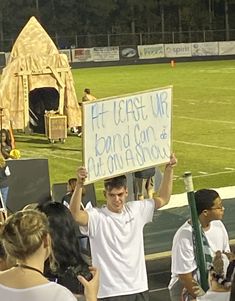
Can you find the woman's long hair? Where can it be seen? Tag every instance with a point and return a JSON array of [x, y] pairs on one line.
[[65, 236]]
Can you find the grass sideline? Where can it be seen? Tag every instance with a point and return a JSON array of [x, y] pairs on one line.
[[203, 119]]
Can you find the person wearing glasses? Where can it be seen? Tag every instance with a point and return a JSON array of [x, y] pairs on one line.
[[184, 268]]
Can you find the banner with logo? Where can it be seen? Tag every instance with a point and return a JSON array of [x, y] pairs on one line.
[[226, 48], [128, 52], [206, 48], [178, 50], [102, 54], [82, 55], [151, 51]]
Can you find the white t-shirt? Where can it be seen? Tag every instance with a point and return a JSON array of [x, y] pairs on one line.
[[48, 292], [215, 296], [183, 258], [117, 247]]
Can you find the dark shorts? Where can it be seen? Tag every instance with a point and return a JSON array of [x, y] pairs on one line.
[[144, 296]]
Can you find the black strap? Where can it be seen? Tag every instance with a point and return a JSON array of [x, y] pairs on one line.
[[24, 266]]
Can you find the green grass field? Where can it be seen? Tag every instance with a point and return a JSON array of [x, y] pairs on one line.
[[203, 119]]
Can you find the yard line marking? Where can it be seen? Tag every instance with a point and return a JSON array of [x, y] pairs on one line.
[[214, 174], [203, 172], [205, 145], [207, 120], [180, 200], [229, 168], [158, 289], [51, 155]]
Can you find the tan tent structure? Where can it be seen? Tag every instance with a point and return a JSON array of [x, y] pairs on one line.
[[37, 78]]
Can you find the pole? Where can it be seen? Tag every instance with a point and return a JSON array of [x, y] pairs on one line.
[[200, 256]]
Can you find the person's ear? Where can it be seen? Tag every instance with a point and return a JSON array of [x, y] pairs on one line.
[[47, 241], [126, 191], [105, 193], [47, 245], [205, 212]]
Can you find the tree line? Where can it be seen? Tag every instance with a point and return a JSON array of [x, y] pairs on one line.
[[82, 17]]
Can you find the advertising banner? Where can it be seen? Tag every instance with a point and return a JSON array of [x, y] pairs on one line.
[[128, 53], [102, 54], [82, 55], [206, 48], [226, 48], [151, 51], [178, 50]]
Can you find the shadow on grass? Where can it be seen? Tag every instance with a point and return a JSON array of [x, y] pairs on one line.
[[58, 146], [35, 140]]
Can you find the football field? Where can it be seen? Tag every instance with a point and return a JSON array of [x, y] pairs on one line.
[[203, 118]]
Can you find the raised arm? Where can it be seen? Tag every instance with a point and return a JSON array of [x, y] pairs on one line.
[[165, 190], [80, 216]]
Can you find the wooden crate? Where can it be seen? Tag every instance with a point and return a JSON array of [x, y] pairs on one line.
[[55, 127]]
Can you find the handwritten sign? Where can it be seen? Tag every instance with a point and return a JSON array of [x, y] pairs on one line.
[[127, 133]]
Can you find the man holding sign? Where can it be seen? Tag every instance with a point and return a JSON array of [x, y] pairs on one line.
[[116, 235]]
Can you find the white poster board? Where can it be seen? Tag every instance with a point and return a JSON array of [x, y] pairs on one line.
[[127, 133]]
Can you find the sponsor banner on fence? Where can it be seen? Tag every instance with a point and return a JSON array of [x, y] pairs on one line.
[[226, 48], [178, 50], [206, 48], [128, 52], [151, 51], [82, 55], [67, 52], [102, 54]]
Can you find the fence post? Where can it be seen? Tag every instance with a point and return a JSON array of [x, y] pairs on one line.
[[141, 38], [204, 36]]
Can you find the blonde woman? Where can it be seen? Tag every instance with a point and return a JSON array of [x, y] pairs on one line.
[[25, 237]]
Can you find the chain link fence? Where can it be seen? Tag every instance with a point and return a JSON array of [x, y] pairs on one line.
[[130, 39]]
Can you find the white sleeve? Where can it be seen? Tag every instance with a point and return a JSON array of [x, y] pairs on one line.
[[93, 222], [183, 258]]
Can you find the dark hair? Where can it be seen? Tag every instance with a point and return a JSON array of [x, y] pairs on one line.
[[65, 245], [204, 199], [3, 254], [72, 182], [63, 233], [8, 139], [116, 182], [88, 91]]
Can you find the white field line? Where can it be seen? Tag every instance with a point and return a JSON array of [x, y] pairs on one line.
[[206, 120], [47, 154], [180, 200], [205, 145], [211, 174], [158, 289]]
